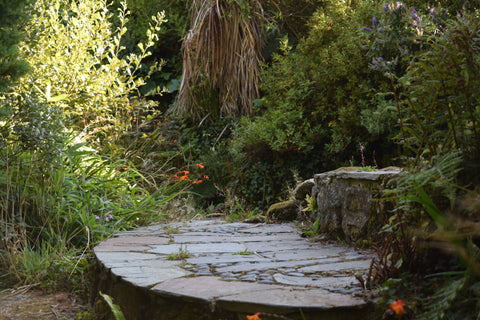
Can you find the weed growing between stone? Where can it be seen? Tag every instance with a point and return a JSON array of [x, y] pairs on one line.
[[244, 253], [181, 254]]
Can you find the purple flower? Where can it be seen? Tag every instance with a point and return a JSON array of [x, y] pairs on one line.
[[399, 4], [374, 22], [97, 217], [367, 29], [376, 61], [107, 218], [385, 7], [431, 11], [415, 15]]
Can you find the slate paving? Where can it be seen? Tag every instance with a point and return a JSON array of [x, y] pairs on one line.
[[234, 269]]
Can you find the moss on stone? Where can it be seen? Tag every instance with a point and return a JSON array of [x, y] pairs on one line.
[[283, 211]]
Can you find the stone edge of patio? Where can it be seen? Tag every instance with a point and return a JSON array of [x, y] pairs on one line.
[[147, 285]]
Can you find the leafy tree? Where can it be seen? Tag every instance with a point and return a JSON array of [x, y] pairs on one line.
[[11, 67], [77, 54]]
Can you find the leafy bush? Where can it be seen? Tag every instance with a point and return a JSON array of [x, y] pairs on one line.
[[59, 196], [75, 55], [308, 119], [431, 60], [441, 110], [168, 46]]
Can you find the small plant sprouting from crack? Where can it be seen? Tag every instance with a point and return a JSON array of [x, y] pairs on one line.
[[244, 253], [171, 230], [181, 254]]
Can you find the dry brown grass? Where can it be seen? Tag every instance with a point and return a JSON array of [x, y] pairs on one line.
[[222, 56]]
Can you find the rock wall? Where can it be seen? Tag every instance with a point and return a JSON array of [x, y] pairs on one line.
[[346, 205]]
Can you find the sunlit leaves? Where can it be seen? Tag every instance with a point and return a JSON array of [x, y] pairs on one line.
[[77, 53]]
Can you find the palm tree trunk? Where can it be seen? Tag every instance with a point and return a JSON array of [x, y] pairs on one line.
[[222, 55]]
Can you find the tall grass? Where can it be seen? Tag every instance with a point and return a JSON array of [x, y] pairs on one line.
[[82, 198]]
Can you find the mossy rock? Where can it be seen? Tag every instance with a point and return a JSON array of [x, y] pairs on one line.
[[347, 169], [303, 189], [283, 211]]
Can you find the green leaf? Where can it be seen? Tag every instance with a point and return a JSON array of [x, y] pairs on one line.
[[117, 312], [425, 200], [59, 97]]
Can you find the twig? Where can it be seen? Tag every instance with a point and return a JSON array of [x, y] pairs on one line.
[[52, 308]]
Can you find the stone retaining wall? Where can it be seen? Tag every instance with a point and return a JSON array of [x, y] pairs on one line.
[[346, 202]]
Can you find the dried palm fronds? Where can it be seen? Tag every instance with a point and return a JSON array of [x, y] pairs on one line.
[[222, 56]]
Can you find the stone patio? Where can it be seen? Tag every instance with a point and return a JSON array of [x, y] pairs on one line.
[[232, 269]]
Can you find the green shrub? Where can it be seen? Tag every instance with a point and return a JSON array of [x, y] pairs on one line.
[[431, 60], [441, 89], [74, 51], [308, 119], [168, 46], [62, 191]]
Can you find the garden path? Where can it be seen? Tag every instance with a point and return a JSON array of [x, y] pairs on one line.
[[229, 270]]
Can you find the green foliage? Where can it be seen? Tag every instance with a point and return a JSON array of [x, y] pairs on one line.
[[236, 212], [75, 55], [431, 64], [168, 45], [11, 67], [313, 230], [29, 124], [290, 17], [441, 111], [56, 193], [117, 312], [442, 301], [311, 204], [60, 195], [49, 267], [314, 96], [80, 200], [181, 254], [244, 253]]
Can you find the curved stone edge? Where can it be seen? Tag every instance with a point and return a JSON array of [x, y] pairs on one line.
[[176, 297], [150, 288], [187, 303]]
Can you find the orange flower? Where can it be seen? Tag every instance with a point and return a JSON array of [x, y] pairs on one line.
[[184, 178], [397, 306], [197, 181], [200, 165], [205, 177], [254, 316]]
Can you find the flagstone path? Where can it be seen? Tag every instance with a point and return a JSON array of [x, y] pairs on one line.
[[231, 270]]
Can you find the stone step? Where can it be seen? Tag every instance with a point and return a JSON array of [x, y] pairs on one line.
[[230, 270]]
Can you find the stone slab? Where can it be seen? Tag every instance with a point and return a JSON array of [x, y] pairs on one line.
[[237, 267], [200, 248]]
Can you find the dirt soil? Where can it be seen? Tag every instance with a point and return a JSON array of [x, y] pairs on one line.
[[32, 304]]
